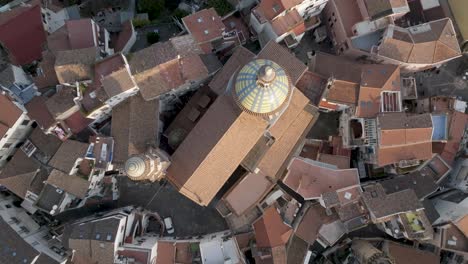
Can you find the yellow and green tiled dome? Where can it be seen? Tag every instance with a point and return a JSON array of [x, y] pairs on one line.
[[262, 87]]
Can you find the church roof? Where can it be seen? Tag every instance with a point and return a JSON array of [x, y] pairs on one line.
[[261, 87]]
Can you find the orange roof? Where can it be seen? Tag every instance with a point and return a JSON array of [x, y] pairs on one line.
[[350, 14], [247, 192], [311, 223], [429, 43], [404, 137], [375, 79], [342, 162], [166, 252], [210, 153], [239, 58], [458, 125], [204, 25], [269, 9], [9, 114], [279, 54], [288, 22], [270, 231], [380, 8], [327, 105], [401, 129], [403, 254], [462, 224], [288, 131], [343, 92], [391, 155], [311, 179]]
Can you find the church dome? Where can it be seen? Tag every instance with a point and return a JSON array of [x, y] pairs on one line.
[[135, 167], [262, 87]]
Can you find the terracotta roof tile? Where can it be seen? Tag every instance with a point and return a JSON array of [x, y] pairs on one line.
[[9, 113], [403, 254], [204, 25], [18, 173], [271, 8], [275, 160], [311, 179], [429, 43], [67, 154], [75, 65], [279, 54], [58, 40], [288, 131], [164, 66], [350, 14], [247, 192], [14, 242], [324, 64], [124, 36], [462, 224], [396, 49], [210, 152], [311, 223], [24, 41], [162, 52], [62, 102], [166, 252], [70, 183], [47, 144], [342, 92], [37, 111], [383, 205], [108, 65], [48, 78], [77, 122], [391, 155], [312, 86], [401, 129], [451, 233], [134, 127], [458, 125], [288, 22], [118, 82], [381, 8], [342, 162], [423, 185], [270, 231], [81, 34], [239, 58]]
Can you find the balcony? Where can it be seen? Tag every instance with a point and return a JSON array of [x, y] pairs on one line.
[[312, 22], [408, 88]]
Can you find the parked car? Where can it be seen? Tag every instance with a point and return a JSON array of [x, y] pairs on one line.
[[169, 226]]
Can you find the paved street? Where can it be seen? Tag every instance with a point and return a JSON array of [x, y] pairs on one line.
[[189, 219], [445, 81]]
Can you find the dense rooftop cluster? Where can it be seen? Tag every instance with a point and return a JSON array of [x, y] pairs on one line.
[[303, 125]]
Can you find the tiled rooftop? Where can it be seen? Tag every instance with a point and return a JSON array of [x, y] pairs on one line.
[[311, 179]]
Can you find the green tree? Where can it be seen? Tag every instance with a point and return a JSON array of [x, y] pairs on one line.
[[222, 7], [179, 13], [138, 23], [152, 7], [152, 37]]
